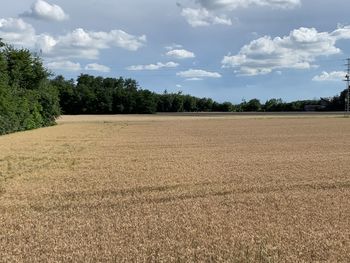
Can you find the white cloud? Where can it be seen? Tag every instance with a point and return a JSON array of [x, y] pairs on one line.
[[156, 66], [180, 54], [45, 43], [205, 14], [17, 32], [43, 10], [173, 46], [87, 44], [67, 65], [64, 65], [79, 43], [124, 40], [194, 79], [298, 50], [330, 76], [202, 17], [97, 67], [234, 4], [197, 74], [179, 86]]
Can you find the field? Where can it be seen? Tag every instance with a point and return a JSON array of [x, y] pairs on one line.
[[177, 189]]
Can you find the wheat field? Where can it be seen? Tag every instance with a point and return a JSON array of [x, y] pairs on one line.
[[177, 189]]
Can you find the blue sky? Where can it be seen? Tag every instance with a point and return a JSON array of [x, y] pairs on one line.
[[228, 50]]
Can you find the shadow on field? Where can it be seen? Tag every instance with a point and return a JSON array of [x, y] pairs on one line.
[[136, 196]]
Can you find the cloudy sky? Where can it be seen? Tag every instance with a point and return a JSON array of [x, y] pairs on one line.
[[228, 50]]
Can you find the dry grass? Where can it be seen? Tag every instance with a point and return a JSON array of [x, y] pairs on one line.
[[177, 189]]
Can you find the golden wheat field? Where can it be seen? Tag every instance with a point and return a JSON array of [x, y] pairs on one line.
[[177, 189]]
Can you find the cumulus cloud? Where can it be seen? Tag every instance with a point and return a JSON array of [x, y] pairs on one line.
[[197, 74], [67, 65], [64, 65], [97, 67], [298, 50], [330, 76], [124, 40], [78, 43], [205, 14], [87, 44], [234, 4], [43, 10], [17, 32], [156, 66], [180, 54], [202, 17]]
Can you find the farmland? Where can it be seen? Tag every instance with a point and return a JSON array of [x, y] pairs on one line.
[[177, 188]]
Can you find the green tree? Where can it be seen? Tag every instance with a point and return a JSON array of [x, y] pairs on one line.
[[27, 100], [252, 105], [67, 94], [146, 102], [189, 103], [205, 104], [273, 105], [178, 102]]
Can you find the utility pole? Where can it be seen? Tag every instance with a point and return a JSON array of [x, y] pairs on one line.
[[347, 79]]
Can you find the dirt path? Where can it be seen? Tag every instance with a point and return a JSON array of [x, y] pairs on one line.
[[134, 188]]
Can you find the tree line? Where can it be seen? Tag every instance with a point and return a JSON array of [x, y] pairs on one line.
[[30, 98], [98, 95], [27, 98]]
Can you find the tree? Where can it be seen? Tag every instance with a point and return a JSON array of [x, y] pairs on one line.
[[189, 103], [273, 105], [146, 102], [49, 106], [165, 102], [27, 100], [178, 102], [67, 94], [205, 104], [252, 105], [222, 107]]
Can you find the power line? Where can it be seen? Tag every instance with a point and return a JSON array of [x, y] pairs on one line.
[[347, 79]]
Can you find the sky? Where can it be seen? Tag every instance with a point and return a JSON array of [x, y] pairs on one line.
[[228, 50]]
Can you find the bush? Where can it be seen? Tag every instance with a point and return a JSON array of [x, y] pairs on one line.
[[27, 99]]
